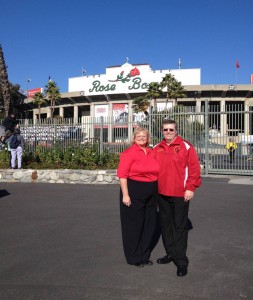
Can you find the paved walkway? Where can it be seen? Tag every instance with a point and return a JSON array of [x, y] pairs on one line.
[[62, 241]]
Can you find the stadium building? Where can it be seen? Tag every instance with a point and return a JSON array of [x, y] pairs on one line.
[[111, 95]]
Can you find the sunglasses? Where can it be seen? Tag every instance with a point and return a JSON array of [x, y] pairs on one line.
[[169, 129]]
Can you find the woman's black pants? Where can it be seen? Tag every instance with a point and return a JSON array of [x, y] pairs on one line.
[[173, 213], [138, 221]]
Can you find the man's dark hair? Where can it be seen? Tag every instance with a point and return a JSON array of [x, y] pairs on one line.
[[169, 121]]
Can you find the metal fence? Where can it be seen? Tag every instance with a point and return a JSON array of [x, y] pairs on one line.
[[207, 127]]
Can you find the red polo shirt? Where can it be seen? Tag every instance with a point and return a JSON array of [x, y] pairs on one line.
[[137, 165]]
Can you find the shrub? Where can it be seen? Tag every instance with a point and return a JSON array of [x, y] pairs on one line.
[[74, 156], [4, 159]]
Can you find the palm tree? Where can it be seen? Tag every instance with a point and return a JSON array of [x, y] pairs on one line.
[[174, 88], [39, 99], [52, 93], [177, 91], [5, 86], [141, 104], [154, 91]]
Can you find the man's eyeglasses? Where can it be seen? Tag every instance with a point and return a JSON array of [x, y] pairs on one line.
[[169, 129]]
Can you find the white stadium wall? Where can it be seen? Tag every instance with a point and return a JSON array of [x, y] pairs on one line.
[[129, 79]]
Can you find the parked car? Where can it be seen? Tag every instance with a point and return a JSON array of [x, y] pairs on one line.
[[73, 133]]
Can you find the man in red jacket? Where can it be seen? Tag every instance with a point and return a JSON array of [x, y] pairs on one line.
[[178, 178]]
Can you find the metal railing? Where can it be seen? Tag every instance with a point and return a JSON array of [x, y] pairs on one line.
[[208, 128]]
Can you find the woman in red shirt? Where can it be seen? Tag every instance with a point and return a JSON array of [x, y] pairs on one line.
[[138, 173]]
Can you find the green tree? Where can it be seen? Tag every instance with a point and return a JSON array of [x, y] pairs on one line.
[[52, 93], [39, 99], [17, 100], [154, 92], [141, 104], [174, 88], [4, 83]]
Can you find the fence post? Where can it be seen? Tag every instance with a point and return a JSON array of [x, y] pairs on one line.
[[206, 137], [150, 120], [55, 131], [101, 135]]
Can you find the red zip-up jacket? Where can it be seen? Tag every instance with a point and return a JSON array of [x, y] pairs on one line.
[[179, 167]]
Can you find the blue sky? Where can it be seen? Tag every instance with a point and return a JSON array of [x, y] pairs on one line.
[[42, 38]]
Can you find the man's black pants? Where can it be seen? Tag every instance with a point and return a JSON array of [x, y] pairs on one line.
[[173, 213]]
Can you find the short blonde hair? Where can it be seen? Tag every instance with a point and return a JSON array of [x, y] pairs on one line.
[[138, 130]]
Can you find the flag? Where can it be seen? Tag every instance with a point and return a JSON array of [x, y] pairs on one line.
[[49, 78], [237, 64]]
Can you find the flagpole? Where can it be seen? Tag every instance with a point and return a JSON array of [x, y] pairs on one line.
[[83, 71], [179, 63], [236, 77], [237, 66]]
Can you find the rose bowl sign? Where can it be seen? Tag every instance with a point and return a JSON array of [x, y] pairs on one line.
[[129, 79]]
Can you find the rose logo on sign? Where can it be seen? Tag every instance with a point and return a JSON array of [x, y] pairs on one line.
[[134, 72]]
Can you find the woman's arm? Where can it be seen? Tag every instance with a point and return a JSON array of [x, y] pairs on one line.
[[123, 184]]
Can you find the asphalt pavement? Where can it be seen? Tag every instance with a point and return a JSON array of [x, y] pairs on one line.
[[62, 241]]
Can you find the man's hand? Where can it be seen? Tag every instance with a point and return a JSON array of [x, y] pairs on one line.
[[188, 195]]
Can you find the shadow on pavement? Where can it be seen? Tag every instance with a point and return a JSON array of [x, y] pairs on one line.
[[4, 193]]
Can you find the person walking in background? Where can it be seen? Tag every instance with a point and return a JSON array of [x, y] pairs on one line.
[[178, 178], [138, 173], [231, 146], [10, 123], [6, 141], [16, 146]]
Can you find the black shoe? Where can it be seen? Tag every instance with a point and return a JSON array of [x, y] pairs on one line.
[[165, 260], [147, 262], [138, 265], [190, 227], [182, 271]]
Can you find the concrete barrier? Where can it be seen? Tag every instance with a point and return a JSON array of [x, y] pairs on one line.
[[59, 176]]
